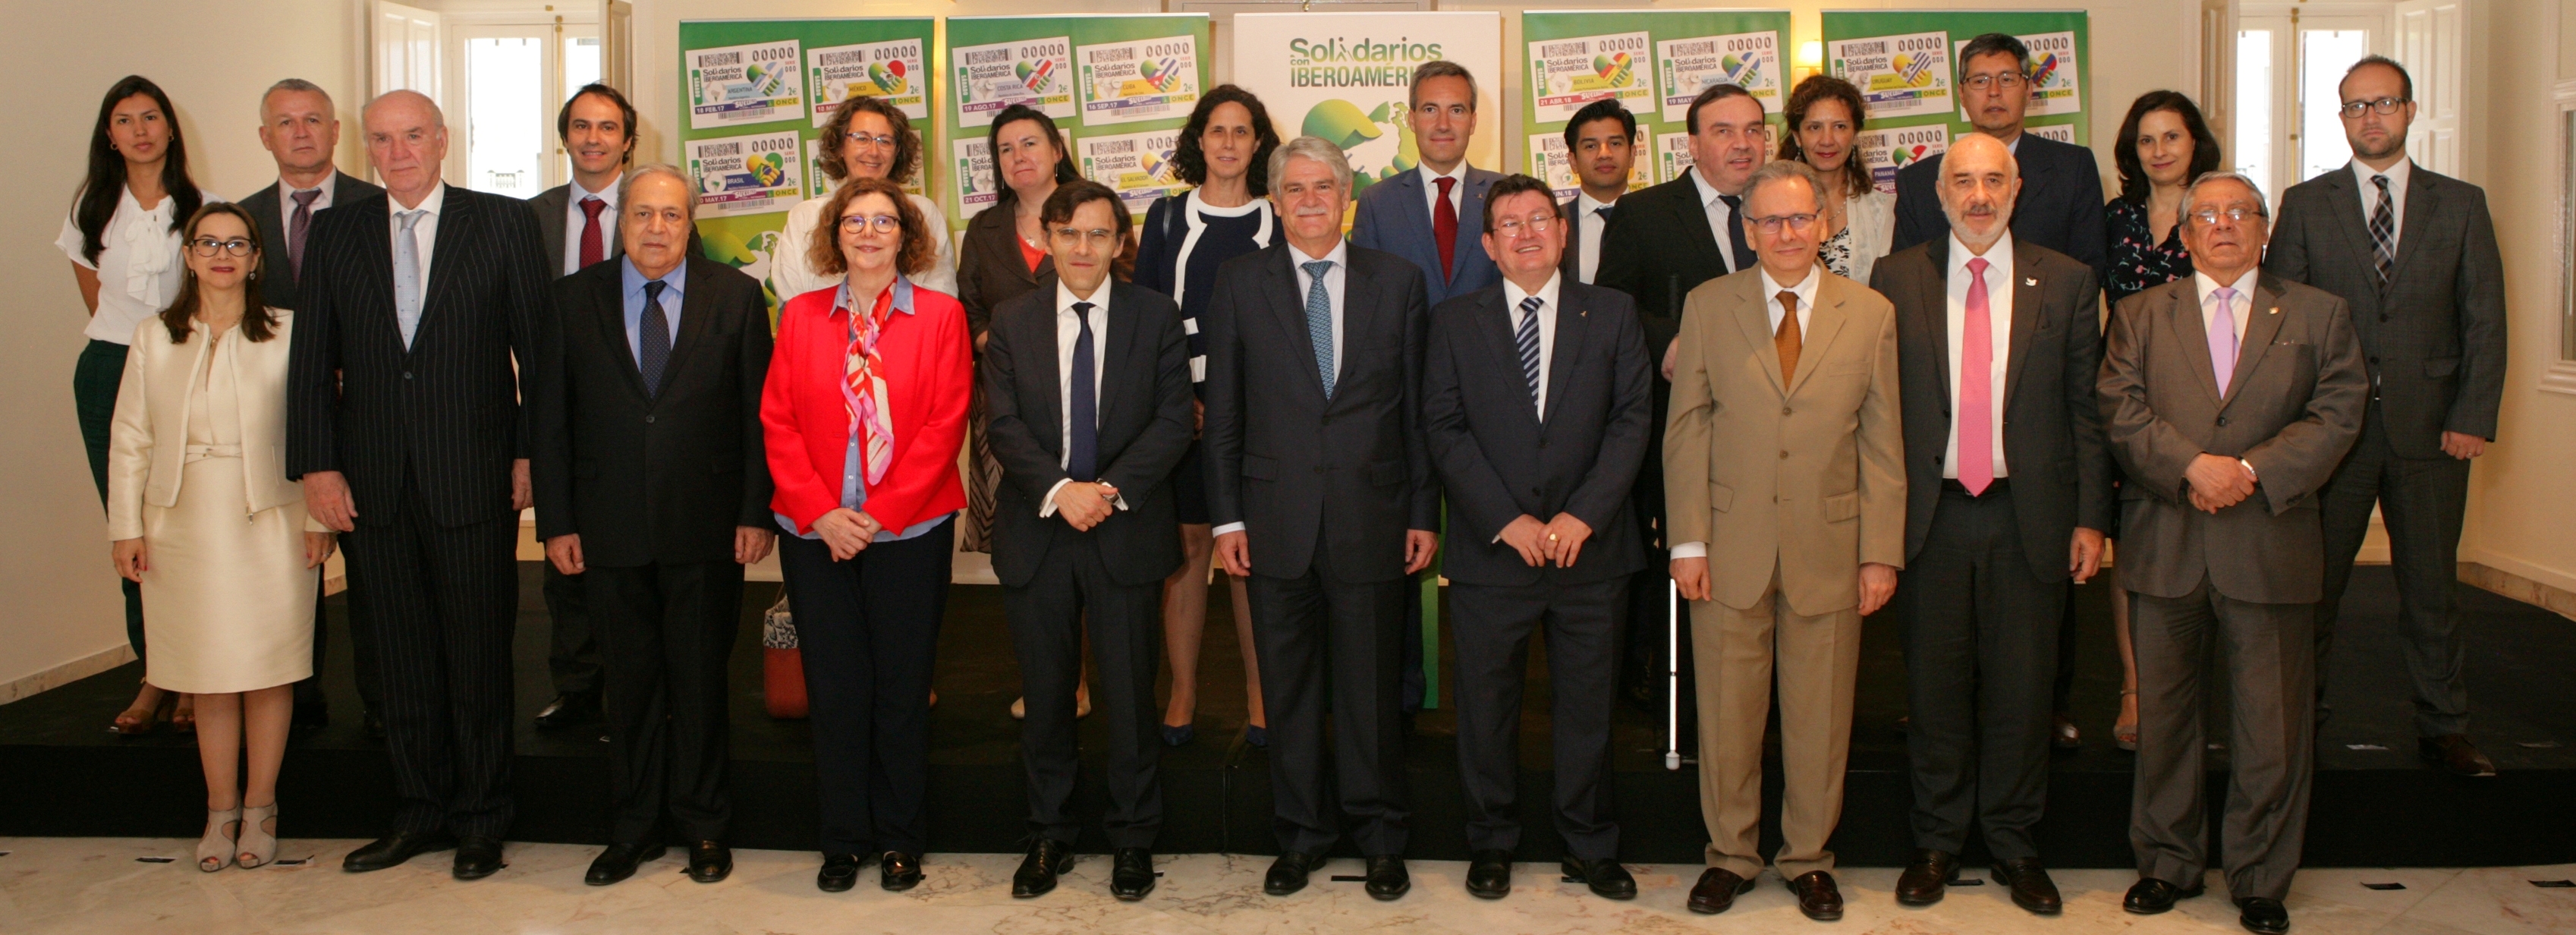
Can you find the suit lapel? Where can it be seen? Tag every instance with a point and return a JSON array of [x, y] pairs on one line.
[[1497, 322], [1050, 376], [2025, 321], [1824, 323], [1137, 356], [1290, 305], [549, 207], [2183, 316], [1932, 314], [2349, 216], [2262, 322], [457, 229], [609, 315], [1573, 326], [1753, 314], [1571, 266], [2419, 212], [694, 311]]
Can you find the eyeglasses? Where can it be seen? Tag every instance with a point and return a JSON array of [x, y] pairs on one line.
[[866, 139], [2385, 106], [882, 223], [1535, 224], [2007, 81], [2208, 216], [1795, 222], [1098, 236], [208, 246]]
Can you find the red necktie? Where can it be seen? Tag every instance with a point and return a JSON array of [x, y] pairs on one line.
[[1976, 387], [1444, 227], [591, 249]]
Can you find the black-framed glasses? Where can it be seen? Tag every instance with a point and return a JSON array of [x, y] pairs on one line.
[[2351, 110], [1098, 236], [1796, 222], [871, 139], [2209, 216], [208, 246], [1535, 224], [2007, 81], [881, 223]]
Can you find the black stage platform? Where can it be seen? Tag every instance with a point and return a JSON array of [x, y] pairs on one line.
[[2375, 805]]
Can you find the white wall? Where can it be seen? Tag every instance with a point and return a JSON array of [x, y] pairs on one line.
[[58, 598]]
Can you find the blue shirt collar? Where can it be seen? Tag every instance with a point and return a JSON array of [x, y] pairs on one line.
[[676, 281], [902, 294]]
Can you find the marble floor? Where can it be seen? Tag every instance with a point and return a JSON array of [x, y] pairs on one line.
[[107, 885]]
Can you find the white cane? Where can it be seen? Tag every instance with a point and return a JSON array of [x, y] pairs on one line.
[[1673, 677]]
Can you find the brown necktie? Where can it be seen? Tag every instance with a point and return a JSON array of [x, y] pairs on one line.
[[1785, 340]]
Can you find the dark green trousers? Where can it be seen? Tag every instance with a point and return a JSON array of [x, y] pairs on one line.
[[94, 382]]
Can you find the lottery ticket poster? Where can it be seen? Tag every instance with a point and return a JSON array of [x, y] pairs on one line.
[[1128, 77], [1889, 55], [753, 151], [1654, 62], [1885, 151]]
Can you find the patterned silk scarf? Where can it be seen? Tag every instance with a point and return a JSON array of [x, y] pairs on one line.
[[863, 388]]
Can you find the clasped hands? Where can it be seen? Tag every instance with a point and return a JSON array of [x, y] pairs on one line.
[[2216, 482], [1559, 540], [1086, 504]]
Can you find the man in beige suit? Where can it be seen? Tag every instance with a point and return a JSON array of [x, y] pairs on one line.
[[1784, 471], [2229, 397]]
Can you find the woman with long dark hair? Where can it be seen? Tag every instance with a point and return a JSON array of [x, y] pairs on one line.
[[202, 517], [1825, 115], [122, 237], [1224, 154]]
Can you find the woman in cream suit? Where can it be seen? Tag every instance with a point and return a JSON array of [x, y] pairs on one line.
[[202, 515]]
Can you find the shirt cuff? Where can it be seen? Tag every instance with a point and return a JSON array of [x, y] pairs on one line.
[[1047, 507], [1227, 528], [1690, 550]]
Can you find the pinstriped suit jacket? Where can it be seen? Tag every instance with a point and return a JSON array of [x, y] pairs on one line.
[[444, 411]]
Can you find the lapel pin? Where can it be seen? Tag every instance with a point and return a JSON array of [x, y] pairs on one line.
[[2032, 281]]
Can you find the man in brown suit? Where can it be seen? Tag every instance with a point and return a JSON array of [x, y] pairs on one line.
[[2229, 397], [1784, 472]]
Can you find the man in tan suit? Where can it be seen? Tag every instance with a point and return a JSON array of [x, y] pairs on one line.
[[2229, 397], [1784, 470]]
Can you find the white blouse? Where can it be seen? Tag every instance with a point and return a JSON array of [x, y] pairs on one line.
[[139, 269], [792, 275], [1871, 218]]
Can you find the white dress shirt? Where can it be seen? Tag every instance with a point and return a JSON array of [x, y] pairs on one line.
[[2397, 175], [424, 232], [1068, 329], [1719, 216], [1805, 290], [1457, 192], [1546, 312], [1999, 305], [2241, 304], [1334, 280], [286, 201], [574, 218], [138, 265], [1588, 219]]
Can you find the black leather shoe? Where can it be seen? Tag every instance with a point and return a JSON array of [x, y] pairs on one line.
[[2456, 755], [391, 850], [1131, 873], [839, 873], [2262, 916], [898, 871], [1047, 858], [570, 709], [1606, 876], [1818, 897], [1288, 873], [2030, 885], [478, 857], [710, 861], [1926, 878], [1489, 874], [1716, 891], [2150, 896], [1387, 879], [619, 860]]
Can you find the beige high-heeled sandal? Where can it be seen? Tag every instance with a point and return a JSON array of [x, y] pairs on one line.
[[215, 850], [258, 844]]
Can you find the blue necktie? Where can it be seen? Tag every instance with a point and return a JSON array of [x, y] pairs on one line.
[[407, 276], [653, 346], [1082, 449], [1527, 336], [1319, 322]]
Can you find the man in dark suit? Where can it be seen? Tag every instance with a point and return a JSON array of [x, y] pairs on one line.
[[2060, 206], [2414, 254], [2008, 492], [653, 491], [1321, 490], [299, 127], [1601, 146], [404, 424], [1663, 243], [597, 129], [2229, 397], [1088, 384], [1534, 396]]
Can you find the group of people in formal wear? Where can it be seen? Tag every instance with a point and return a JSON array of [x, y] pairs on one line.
[[1804, 400]]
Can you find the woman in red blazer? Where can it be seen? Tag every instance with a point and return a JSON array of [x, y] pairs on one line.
[[863, 412]]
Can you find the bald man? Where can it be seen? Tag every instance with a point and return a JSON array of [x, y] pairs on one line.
[[403, 422]]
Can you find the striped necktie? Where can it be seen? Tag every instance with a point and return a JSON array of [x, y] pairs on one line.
[[1527, 336]]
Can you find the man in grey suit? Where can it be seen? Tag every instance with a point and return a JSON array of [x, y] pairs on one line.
[[2008, 492], [1320, 486], [2414, 253], [1601, 146], [1535, 394], [2229, 397], [299, 127]]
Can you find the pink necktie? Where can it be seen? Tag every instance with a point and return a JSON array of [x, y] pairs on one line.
[[2222, 339], [1976, 387]]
